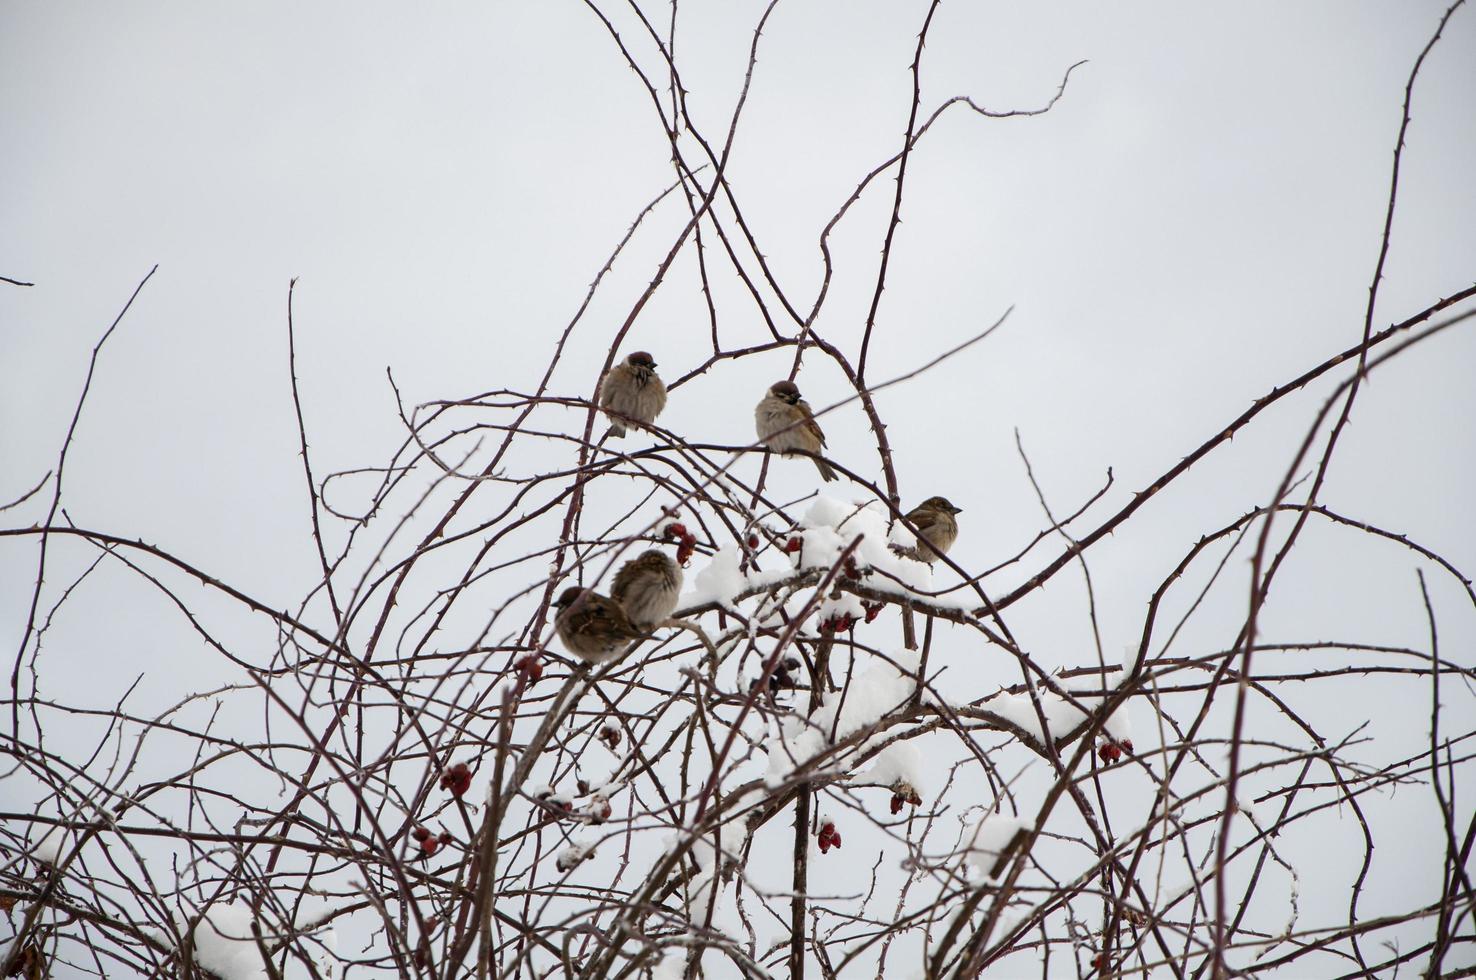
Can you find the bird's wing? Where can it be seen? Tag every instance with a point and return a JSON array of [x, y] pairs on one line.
[[624, 579], [924, 519], [608, 619], [811, 426]]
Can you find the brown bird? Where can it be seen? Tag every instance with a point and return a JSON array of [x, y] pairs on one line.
[[936, 528], [631, 391], [593, 627], [647, 588], [786, 425]]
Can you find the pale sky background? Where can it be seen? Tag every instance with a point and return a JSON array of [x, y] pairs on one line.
[[1196, 221]]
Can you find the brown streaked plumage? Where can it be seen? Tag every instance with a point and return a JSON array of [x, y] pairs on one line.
[[631, 391], [647, 588], [786, 424], [592, 627], [936, 527]]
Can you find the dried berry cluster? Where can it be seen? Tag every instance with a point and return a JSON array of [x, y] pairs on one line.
[[686, 541], [430, 843], [1111, 750], [457, 779], [903, 794], [829, 837]]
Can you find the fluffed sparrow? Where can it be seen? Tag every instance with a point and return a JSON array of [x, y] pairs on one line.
[[936, 528], [593, 627], [786, 424], [631, 391], [647, 588]]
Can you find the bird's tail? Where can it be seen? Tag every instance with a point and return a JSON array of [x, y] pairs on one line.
[[826, 473]]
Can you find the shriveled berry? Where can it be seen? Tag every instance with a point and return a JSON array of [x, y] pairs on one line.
[[457, 779]]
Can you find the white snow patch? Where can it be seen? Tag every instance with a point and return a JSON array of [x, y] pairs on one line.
[[880, 689], [845, 605], [1061, 715], [573, 855], [828, 527], [992, 835], [49, 848], [718, 581], [899, 762], [224, 944], [831, 525], [1129, 659]]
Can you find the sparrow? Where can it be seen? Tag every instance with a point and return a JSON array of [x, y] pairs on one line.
[[593, 627], [786, 425], [647, 588], [936, 527], [632, 391]]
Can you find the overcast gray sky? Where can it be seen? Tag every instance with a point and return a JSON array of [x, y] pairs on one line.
[[1196, 221]]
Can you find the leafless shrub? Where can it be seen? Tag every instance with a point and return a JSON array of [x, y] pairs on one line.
[[411, 777]]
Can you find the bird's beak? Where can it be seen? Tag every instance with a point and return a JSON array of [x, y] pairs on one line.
[[958, 510]]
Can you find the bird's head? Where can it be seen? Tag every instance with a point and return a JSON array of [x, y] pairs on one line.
[[569, 596], [786, 391]]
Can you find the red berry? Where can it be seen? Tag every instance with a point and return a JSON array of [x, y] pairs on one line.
[[530, 667], [445, 837], [675, 530], [430, 846], [1109, 752], [420, 833], [753, 542], [897, 802], [457, 779], [793, 545], [835, 839]]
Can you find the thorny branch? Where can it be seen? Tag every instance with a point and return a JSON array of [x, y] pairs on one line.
[[437, 789]]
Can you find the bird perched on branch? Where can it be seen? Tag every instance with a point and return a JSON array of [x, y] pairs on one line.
[[936, 528], [647, 588], [631, 391], [786, 425], [593, 627]]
